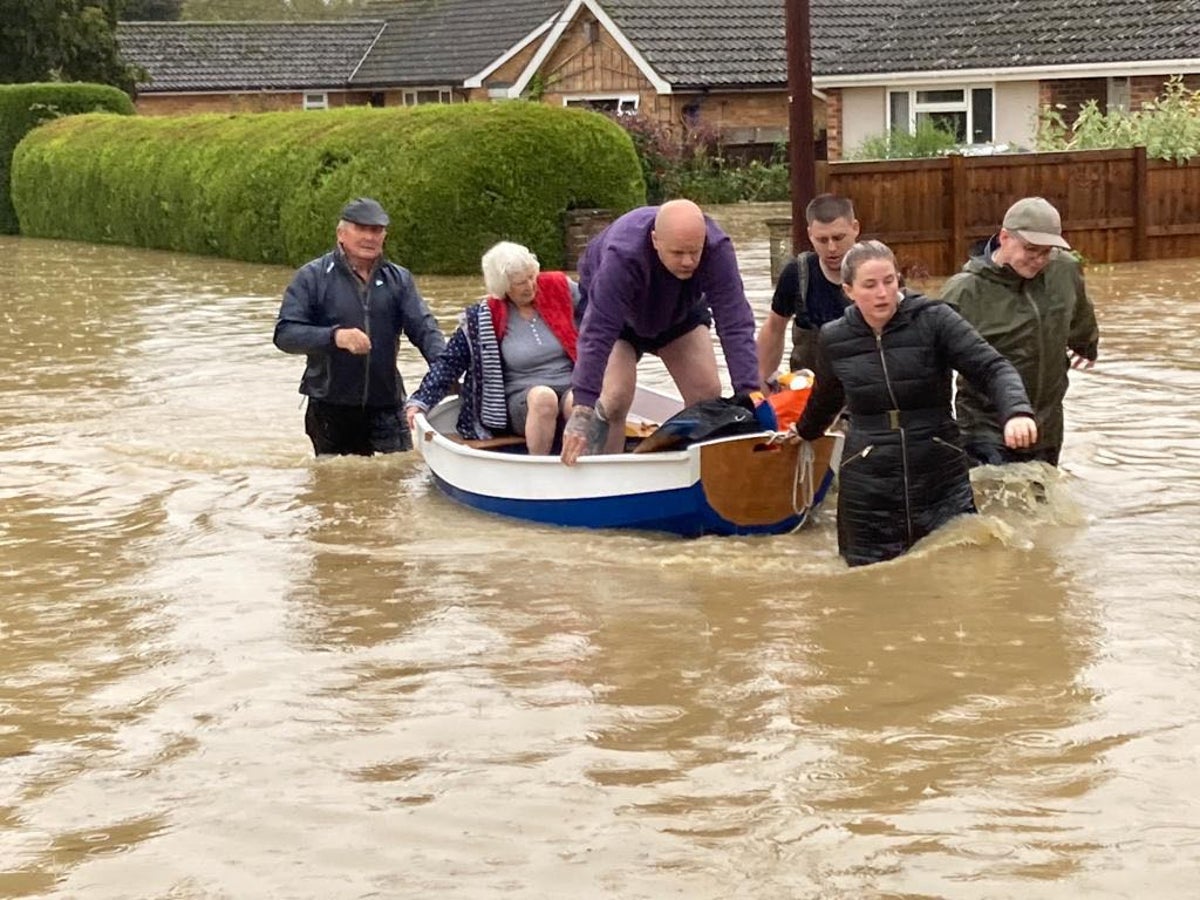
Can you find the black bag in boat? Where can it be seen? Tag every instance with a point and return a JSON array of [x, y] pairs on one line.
[[720, 417]]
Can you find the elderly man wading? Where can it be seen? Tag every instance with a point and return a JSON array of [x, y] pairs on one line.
[[345, 311]]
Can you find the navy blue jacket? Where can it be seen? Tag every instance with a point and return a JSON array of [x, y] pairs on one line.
[[325, 295]]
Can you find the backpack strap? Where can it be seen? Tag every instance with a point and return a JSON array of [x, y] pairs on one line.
[[804, 336], [802, 277]]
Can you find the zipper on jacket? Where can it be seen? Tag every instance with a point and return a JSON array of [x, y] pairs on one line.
[[957, 449], [861, 454], [887, 380], [365, 299], [1041, 356]]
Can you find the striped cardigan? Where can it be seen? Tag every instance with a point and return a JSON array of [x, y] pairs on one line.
[[473, 354]]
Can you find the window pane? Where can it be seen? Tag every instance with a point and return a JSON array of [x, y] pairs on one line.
[[981, 116], [939, 97], [898, 106], [953, 122], [433, 96]]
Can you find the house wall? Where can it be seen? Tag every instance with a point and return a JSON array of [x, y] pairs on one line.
[[1067, 94], [1072, 93], [1144, 88], [1015, 105], [589, 60], [864, 113], [254, 101], [504, 75]]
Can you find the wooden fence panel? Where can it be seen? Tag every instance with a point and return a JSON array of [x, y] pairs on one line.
[[1173, 210], [1116, 205]]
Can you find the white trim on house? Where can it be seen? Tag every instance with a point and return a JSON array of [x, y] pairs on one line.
[[476, 81], [1028, 73], [362, 59], [915, 107], [413, 94], [565, 18], [621, 98]]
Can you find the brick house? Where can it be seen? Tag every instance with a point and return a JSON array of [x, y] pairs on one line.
[[982, 67], [408, 52], [985, 68], [681, 62], [196, 67]]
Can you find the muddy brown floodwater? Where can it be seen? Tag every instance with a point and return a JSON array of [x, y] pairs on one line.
[[230, 671]]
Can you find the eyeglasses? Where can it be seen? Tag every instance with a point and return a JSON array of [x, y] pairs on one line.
[[1036, 251]]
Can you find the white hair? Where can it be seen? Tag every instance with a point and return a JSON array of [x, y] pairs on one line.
[[502, 262]]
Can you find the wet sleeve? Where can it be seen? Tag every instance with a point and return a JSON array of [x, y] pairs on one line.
[[300, 326], [1084, 335], [827, 397], [981, 364], [443, 372], [419, 325], [734, 318], [611, 287]]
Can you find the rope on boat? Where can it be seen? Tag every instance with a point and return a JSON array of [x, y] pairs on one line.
[[803, 488], [803, 480]]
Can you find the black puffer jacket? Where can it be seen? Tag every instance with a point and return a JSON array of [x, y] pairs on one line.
[[902, 473]]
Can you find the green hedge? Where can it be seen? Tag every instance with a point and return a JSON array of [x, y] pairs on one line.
[[268, 187], [25, 106]]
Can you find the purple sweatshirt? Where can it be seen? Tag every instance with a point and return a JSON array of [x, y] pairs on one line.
[[625, 284]]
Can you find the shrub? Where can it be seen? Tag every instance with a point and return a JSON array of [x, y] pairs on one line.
[[1168, 126], [268, 187], [25, 106], [694, 166], [930, 139]]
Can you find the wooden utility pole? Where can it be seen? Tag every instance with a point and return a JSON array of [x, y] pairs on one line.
[[801, 140]]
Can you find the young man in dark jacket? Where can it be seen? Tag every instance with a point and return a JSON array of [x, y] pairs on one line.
[[345, 311], [1025, 295]]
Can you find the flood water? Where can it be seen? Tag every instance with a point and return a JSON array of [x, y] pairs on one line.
[[230, 671]]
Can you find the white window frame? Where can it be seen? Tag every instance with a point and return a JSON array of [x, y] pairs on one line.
[[408, 96], [315, 100], [627, 104], [965, 105], [1117, 93]]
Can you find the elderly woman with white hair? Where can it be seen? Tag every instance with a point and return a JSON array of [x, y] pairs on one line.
[[514, 350]]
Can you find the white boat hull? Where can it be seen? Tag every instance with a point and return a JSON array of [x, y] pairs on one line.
[[747, 484]]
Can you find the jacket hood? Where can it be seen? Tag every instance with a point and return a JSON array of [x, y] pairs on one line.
[[983, 266]]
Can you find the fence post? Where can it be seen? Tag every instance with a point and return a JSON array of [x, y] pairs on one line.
[[579, 227], [958, 212], [1140, 195], [779, 240]]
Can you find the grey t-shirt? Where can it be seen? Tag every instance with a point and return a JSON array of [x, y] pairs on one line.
[[532, 355]]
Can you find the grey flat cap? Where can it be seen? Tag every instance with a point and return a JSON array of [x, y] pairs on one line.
[[365, 211]]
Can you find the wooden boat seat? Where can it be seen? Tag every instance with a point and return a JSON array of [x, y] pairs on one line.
[[504, 440]]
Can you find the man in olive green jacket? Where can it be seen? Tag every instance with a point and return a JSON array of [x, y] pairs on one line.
[[1025, 295]]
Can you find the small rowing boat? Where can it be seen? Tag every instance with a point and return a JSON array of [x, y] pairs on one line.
[[743, 484]]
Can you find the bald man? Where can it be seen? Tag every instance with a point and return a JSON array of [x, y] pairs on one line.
[[654, 281]]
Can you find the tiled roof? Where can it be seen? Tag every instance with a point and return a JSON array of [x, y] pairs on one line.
[[985, 34], [706, 42], [743, 42], [435, 42], [228, 56]]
